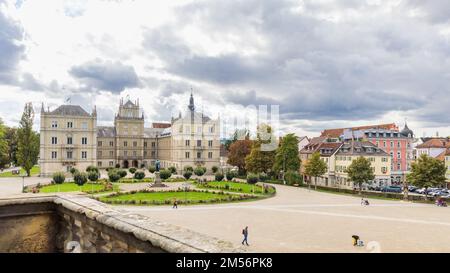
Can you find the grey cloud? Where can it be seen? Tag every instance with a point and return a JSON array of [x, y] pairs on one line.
[[106, 75], [11, 52]]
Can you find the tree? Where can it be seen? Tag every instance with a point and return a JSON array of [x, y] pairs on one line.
[[93, 176], [315, 167], [113, 175], [152, 169], [427, 172], [28, 140], [262, 154], [165, 174], [199, 171], [293, 177], [139, 175], [360, 171], [286, 158], [80, 178], [187, 174], [239, 134], [59, 178], [238, 151], [214, 169], [11, 140], [4, 158]]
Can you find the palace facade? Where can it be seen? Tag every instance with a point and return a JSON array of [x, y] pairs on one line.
[[70, 138]]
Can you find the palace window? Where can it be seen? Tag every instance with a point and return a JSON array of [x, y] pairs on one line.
[[84, 141], [69, 155], [199, 143], [125, 143], [134, 143], [69, 141], [83, 154], [199, 154], [153, 144], [99, 153], [210, 143], [100, 144], [145, 153], [188, 142], [210, 154], [54, 124], [187, 154], [111, 153], [111, 143], [111, 163], [54, 155], [145, 144], [54, 140], [99, 163], [70, 124], [153, 154]]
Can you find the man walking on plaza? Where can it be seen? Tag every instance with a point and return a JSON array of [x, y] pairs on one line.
[[245, 233]]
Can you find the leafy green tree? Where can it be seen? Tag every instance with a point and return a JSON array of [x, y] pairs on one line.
[[262, 154], [92, 169], [152, 169], [172, 169], [427, 172], [239, 134], [80, 178], [139, 175], [28, 140], [188, 169], [93, 176], [59, 178], [315, 167], [214, 169], [165, 174], [286, 158], [199, 171], [113, 175], [293, 177], [360, 171], [4, 158], [11, 140], [187, 174]]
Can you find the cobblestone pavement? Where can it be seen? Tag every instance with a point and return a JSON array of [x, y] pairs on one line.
[[298, 220]]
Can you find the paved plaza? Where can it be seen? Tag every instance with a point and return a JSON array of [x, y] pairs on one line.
[[299, 220]]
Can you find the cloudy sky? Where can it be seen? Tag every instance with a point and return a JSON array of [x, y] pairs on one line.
[[325, 63]]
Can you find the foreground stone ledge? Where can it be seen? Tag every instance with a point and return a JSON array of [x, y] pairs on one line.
[[96, 226]]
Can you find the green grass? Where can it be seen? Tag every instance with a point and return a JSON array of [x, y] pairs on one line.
[[72, 187], [162, 196], [34, 171], [234, 187]]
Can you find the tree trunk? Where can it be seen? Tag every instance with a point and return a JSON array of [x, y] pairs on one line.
[[315, 183], [360, 189]]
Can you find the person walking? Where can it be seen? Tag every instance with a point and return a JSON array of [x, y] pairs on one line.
[[175, 204], [245, 233]]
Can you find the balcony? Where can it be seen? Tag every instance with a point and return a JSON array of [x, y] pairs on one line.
[[130, 157]]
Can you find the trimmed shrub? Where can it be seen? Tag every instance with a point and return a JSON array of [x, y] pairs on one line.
[[188, 169], [252, 178], [92, 169], [263, 177], [132, 170], [142, 166], [172, 169], [214, 169], [113, 175], [73, 171], [152, 169], [80, 178], [199, 171], [122, 173], [292, 178], [165, 174], [93, 176], [117, 166], [187, 175], [230, 175], [139, 175], [59, 178], [219, 177]]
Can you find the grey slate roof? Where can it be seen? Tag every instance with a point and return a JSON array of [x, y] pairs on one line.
[[70, 110], [104, 131], [152, 132], [361, 148]]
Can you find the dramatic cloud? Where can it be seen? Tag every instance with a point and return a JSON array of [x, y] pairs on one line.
[[106, 75], [325, 63]]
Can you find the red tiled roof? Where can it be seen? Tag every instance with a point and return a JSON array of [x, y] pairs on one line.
[[339, 131], [161, 125], [435, 143]]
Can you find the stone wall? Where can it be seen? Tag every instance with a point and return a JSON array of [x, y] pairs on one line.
[[76, 223]]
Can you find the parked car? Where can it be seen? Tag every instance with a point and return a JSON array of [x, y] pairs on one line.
[[396, 189], [412, 188], [374, 188]]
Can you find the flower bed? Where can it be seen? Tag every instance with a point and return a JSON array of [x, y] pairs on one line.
[[191, 196], [238, 187]]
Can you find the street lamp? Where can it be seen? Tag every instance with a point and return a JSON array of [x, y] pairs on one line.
[[23, 182]]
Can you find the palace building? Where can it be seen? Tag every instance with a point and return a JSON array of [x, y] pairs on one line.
[[70, 138]]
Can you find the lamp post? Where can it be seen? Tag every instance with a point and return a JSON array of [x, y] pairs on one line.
[[23, 183]]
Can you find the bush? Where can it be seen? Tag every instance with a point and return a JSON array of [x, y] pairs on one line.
[[73, 171], [199, 171], [93, 176], [132, 170], [172, 169], [142, 166], [219, 177], [214, 169], [80, 178], [139, 175], [292, 178], [113, 175], [117, 166], [252, 178], [187, 175], [230, 175], [152, 169], [92, 169], [263, 177], [59, 178], [165, 174], [188, 169], [122, 173]]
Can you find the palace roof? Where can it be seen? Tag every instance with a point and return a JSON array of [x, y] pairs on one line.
[[70, 110]]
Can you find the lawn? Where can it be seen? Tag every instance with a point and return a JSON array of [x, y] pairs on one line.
[[167, 198], [34, 171], [72, 187], [234, 187]]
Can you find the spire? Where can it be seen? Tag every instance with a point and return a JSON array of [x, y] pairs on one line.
[[94, 112], [191, 103], [42, 108]]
